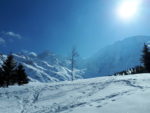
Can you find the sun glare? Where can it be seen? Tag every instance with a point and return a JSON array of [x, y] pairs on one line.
[[128, 9]]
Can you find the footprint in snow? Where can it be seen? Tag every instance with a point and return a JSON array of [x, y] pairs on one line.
[[99, 106]]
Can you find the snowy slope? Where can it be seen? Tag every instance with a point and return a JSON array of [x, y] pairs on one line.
[[119, 94], [117, 57], [46, 66]]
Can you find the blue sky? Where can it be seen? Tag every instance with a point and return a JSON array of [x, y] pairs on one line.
[[58, 25]]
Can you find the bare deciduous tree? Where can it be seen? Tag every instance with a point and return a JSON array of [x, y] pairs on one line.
[[74, 55]]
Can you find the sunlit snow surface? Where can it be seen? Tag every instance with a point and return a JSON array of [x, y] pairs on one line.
[[121, 94]]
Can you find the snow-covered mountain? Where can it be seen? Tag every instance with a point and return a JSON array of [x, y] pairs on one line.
[[46, 66], [119, 56], [115, 94]]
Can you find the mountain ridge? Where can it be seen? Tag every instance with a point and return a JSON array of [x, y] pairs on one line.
[[121, 55], [45, 67]]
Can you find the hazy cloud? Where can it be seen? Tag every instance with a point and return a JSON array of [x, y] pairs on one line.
[[9, 37], [12, 34], [2, 41]]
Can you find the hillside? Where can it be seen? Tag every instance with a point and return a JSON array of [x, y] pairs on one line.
[[46, 66], [117, 57], [119, 94]]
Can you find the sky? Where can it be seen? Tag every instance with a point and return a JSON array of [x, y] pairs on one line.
[[59, 25]]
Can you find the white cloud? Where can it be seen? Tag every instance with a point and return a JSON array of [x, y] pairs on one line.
[[2, 41], [12, 34], [9, 37]]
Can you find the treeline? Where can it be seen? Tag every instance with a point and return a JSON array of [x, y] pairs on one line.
[[134, 70], [11, 73], [145, 60]]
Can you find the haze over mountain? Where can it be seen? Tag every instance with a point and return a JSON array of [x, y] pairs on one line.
[[117, 57]]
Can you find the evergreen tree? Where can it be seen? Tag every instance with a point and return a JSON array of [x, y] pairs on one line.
[[8, 69], [146, 58], [21, 75], [10, 74], [1, 78]]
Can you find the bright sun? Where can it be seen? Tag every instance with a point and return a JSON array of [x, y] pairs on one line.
[[128, 9]]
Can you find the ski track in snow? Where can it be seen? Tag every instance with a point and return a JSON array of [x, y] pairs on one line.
[[67, 97]]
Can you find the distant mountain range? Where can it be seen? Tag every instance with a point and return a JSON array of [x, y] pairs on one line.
[[119, 56], [49, 67], [46, 67]]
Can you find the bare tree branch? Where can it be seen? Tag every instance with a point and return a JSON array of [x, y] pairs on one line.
[[74, 54]]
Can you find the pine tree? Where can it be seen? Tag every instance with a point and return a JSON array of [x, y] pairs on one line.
[[21, 75], [1, 78], [8, 68], [146, 58], [1, 72], [11, 74]]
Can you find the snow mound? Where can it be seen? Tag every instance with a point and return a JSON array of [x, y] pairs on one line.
[[116, 94]]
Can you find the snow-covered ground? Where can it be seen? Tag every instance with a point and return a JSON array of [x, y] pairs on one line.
[[120, 94]]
